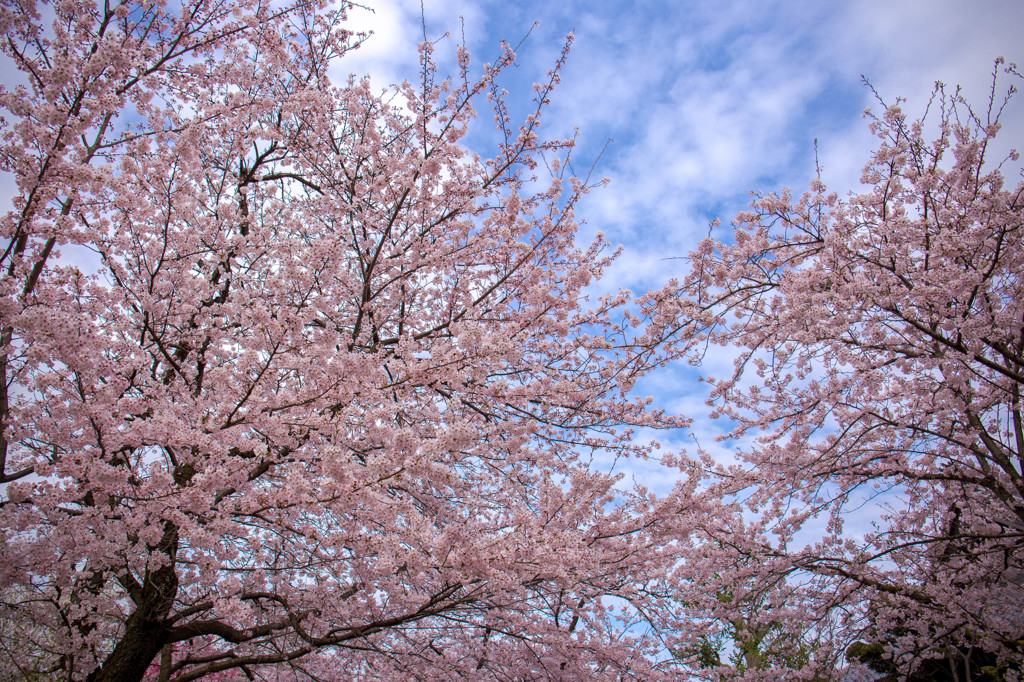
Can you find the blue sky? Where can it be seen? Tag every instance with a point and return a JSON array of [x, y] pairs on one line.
[[706, 101]]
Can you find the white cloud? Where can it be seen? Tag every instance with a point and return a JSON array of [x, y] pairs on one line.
[[709, 100], [391, 55]]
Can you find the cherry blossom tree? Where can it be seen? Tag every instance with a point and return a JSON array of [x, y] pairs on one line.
[[293, 384], [879, 344]]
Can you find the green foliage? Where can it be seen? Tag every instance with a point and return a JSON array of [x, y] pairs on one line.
[[749, 644]]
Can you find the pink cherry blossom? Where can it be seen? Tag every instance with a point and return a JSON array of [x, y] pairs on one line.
[[325, 405], [880, 349]]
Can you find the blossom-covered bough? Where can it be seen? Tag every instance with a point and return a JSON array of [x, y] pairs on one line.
[[880, 344], [293, 385]]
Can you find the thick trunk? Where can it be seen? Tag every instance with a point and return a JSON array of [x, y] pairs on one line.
[[146, 629], [131, 657]]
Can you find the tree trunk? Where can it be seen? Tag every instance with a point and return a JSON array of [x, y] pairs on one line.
[[131, 657], [146, 628]]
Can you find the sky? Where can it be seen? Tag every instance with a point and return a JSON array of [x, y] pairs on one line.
[[705, 101]]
